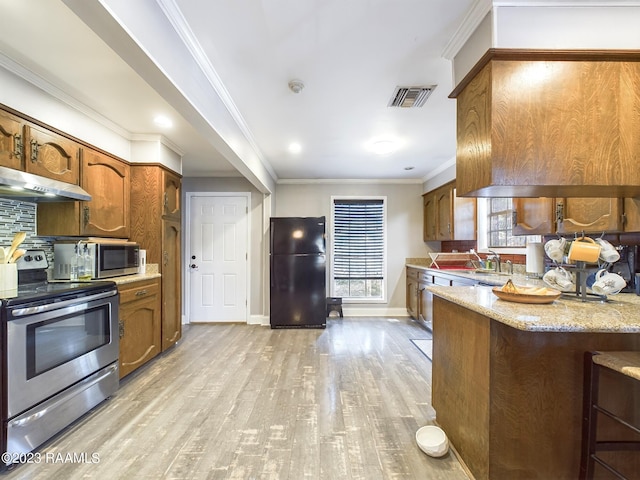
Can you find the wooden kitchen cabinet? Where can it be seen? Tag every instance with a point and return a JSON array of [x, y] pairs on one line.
[[108, 181], [51, 155], [171, 284], [140, 324], [447, 216], [521, 137], [444, 212], [576, 215], [156, 226], [541, 216], [429, 216], [412, 291], [632, 214], [419, 299], [11, 141], [534, 216]]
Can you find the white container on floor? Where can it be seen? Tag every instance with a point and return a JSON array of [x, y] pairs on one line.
[[432, 440]]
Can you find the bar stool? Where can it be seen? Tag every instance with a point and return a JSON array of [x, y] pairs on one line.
[[623, 363], [334, 304]]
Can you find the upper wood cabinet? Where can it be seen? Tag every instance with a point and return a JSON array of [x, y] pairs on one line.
[[540, 216], [533, 216], [447, 216], [429, 216], [107, 180], [51, 155], [534, 124], [632, 214], [444, 212], [11, 141], [171, 194], [575, 215]]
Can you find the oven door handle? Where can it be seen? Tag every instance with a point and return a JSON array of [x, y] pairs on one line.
[[20, 312], [58, 400]]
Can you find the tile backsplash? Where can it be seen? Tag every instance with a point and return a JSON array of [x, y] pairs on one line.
[[17, 216]]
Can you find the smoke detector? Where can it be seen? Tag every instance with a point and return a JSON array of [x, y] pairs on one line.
[[410, 97], [296, 86]]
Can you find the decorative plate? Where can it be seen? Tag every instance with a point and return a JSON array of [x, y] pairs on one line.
[[528, 295]]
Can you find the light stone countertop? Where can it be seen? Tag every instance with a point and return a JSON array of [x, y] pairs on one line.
[[621, 314], [486, 279], [151, 271], [627, 363]]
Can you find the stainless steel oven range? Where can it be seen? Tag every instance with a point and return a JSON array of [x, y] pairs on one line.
[[59, 354]]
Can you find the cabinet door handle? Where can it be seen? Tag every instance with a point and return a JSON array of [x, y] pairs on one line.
[[34, 151], [121, 328], [559, 212], [86, 215], [141, 293], [17, 145], [166, 200], [166, 257]]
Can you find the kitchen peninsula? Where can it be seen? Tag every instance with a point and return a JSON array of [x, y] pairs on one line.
[[507, 378]]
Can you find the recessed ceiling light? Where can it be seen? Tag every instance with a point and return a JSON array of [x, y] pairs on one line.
[[295, 147], [383, 147], [163, 121]]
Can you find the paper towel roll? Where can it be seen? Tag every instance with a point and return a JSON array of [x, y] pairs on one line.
[[535, 258]]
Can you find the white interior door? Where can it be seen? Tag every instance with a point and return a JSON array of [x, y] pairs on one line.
[[218, 259]]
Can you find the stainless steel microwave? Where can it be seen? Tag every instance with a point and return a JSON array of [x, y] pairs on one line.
[[110, 259]]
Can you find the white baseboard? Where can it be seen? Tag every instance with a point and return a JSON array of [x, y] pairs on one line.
[[373, 311], [258, 320]]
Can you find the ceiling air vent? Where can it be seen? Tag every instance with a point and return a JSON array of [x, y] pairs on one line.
[[410, 97]]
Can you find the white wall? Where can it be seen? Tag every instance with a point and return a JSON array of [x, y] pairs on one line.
[[63, 113], [404, 222]]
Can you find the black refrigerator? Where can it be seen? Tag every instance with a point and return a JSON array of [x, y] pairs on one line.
[[297, 269]]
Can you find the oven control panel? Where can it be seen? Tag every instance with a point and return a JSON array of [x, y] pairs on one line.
[[33, 260]]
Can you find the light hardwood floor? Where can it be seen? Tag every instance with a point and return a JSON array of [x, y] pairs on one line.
[[248, 402]]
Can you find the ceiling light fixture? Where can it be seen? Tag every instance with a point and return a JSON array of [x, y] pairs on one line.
[[296, 86], [383, 147], [163, 121], [295, 147]]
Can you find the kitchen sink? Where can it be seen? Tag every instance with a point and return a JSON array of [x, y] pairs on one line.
[[482, 271]]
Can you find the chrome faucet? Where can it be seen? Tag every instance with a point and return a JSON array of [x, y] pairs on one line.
[[510, 265], [495, 257]]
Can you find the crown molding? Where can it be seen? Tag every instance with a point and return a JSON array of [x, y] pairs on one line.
[[178, 22], [472, 19], [350, 181], [39, 82], [434, 173], [152, 137]]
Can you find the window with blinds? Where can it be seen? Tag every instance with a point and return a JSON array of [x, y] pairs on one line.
[[359, 248]]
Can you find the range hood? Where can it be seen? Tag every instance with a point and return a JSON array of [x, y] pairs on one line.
[[17, 185]]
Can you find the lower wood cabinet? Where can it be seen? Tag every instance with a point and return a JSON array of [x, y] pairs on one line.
[[420, 299], [140, 324]]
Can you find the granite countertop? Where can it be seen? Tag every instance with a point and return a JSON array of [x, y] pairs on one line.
[[484, 278], [151, 271], [621, 314]]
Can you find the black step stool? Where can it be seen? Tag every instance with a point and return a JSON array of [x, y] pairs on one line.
[[334, 304]]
